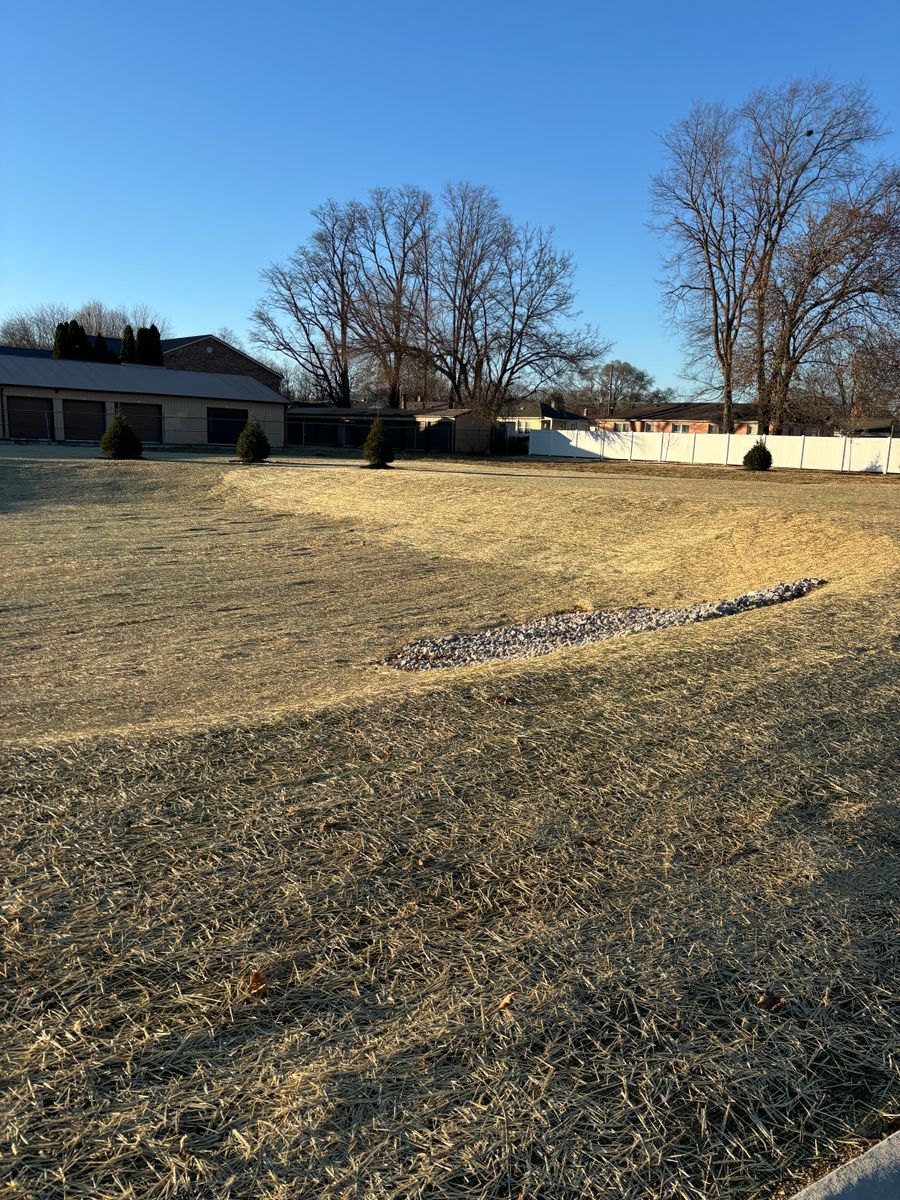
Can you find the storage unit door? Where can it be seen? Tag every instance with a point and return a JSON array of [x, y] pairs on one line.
[[224, 424], [30, 417], [145, 420], [84, 420]]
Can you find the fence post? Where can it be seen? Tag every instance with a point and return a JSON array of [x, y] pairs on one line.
[[693, 449], [802, 447], [887, 453], [659, 456], [631, 447], [843, 452], [727, 445]]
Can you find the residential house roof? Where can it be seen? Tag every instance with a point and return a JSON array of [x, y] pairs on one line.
[[114, 345], [685, 411], [131, 378], [297, 409], [535, 407]]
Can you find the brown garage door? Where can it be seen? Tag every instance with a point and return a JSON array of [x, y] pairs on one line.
[[84, 420], [145, 420], [30, 417]]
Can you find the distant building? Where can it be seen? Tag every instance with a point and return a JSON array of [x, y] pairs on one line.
[[708, 418], [62, 400], [433, 430], [525, 415], [677, 418], [198, 352]]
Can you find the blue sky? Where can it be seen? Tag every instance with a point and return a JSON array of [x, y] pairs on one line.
[[166, 152]]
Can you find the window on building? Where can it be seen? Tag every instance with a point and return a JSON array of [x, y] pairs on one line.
[[681, 428]]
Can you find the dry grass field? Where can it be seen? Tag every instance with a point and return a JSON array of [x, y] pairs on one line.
[[617, 922]]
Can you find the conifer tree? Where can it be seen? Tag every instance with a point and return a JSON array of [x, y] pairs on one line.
[[120, 440], [252, 444], [142, 345], [154, 347], [78, 345], [128, 352], [101, 350], [377, 450], [61, 342]]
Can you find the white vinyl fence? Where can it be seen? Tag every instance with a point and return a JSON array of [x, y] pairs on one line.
[[876, 455]]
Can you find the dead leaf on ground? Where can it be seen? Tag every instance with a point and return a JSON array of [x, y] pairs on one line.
[[257, 984], [770, 1002], [506, 1001]]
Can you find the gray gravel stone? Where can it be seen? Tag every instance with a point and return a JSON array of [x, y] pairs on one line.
[[547, 634]]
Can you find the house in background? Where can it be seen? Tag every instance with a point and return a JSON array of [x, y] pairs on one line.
[[677, 418], [64, 400], [199, 352], [707, 418], [524, 415]]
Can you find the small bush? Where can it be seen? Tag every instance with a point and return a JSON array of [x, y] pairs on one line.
[[758, 457], [252, 444], [378, 450], [120, 440]]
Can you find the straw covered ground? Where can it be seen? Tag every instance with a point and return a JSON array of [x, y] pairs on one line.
[[281, 922]]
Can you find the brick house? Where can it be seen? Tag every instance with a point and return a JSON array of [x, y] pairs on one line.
[[678, 418], [198, 352], [206, 352]]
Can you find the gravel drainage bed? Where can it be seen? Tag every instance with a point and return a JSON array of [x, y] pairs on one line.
[[547, 634]]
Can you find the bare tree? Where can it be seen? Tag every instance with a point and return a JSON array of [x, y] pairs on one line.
[[713, 238], [226, 334], [619, 383], [306, 313], [96, 317], [848, 380], [389, 294], [33, 328], [744, 191], [502, 306], [835, 279], [804, 148]]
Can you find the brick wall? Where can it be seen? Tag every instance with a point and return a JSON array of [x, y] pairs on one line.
[[208, 354]]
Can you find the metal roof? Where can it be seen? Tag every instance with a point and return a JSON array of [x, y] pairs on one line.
[[386, 414], [18, 370]]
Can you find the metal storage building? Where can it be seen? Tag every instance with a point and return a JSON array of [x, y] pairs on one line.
[[63, 400]]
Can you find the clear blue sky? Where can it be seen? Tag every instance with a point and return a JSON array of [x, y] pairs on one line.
[[166, 152]]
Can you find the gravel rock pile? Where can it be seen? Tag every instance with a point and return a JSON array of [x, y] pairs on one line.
[[547, 634]]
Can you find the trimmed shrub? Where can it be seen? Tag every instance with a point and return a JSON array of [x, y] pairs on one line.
[[758, 457], [378, 451], [120, 440], [252, 444]]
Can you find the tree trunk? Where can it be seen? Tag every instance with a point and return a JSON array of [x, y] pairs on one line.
[[344, 383], [762, 385], [727, 402]]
